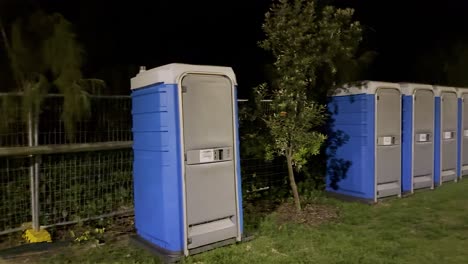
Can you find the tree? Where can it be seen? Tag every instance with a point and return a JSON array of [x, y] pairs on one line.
[[305, 41], [44, 55]]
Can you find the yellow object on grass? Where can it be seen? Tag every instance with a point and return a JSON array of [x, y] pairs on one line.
[[32, 236]]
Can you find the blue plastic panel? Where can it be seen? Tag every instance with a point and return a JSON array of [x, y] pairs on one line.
[[460, 135], [239, 176], [407, 143], [157, 166], [351, 146], [437, 141]]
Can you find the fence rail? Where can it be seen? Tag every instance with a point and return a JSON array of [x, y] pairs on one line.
[[50, 180], [68, 148]]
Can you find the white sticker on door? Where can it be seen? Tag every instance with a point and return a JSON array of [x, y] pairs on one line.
[[448, 135], [465, 133], [387, 141], [422, 138], [206, 155]]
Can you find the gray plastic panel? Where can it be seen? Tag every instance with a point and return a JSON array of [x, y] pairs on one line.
[[209, 183], [207, 110], [388, 189], [423, 148], [449, 135], [204, 234], [464, 143], [420, 182], [448, 175], [388, 154], [210, 192]]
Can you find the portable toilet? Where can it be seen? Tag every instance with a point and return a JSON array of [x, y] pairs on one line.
[[364, 145], [445, 148], [187, 186], [417, 137], [462, 166]]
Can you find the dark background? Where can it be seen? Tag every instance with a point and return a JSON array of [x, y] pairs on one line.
[[414, 40]]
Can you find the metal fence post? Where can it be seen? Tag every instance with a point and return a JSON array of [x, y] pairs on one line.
[[37, 160], [34, 171]]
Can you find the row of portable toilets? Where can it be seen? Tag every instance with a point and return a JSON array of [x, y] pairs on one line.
[[389, 138], [385, 139]]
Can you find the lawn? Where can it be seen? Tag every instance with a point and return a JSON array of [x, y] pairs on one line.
[[428, 227]]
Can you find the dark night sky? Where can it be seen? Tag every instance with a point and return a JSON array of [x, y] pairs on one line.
[[119, 36]]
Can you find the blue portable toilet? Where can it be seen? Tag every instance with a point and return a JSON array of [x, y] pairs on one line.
[[187, 185], [417, 137], [462, 166], [445, 139], [364, 148]]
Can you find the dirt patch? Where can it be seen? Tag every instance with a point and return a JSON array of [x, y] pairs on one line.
[[11, 240], [311, 214], [260, 207], [117, 226], [13, 249]]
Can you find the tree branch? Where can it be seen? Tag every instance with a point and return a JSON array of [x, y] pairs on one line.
[[19, 81]]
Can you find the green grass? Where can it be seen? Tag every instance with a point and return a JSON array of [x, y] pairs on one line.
[[429, 227]]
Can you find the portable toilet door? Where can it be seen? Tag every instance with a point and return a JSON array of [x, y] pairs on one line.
[[418, 137], [445, 148], [187, 184], [388, 147], [462, 167], [368, 116], [208, 106]]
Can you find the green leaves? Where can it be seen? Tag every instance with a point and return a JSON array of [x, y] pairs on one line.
[[34, 91], [311, 47], [62, 53], [45, 55], [304, 39], [293, 122]]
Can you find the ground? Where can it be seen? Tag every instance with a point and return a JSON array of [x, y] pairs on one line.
[[427, 227]]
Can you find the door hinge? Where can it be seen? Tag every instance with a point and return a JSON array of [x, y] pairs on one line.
[[378, 97], [185, 156], [184, 89], [189, 241]]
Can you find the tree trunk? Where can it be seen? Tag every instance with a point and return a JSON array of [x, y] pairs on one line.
[[292, 181], [4, 37], [18, 78]]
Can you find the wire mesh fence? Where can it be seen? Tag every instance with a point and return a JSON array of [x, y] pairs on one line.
[[13, 131], [74, 187], [70, 186], [79, 186], [15, 193], [260, 175], [110, 120]]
